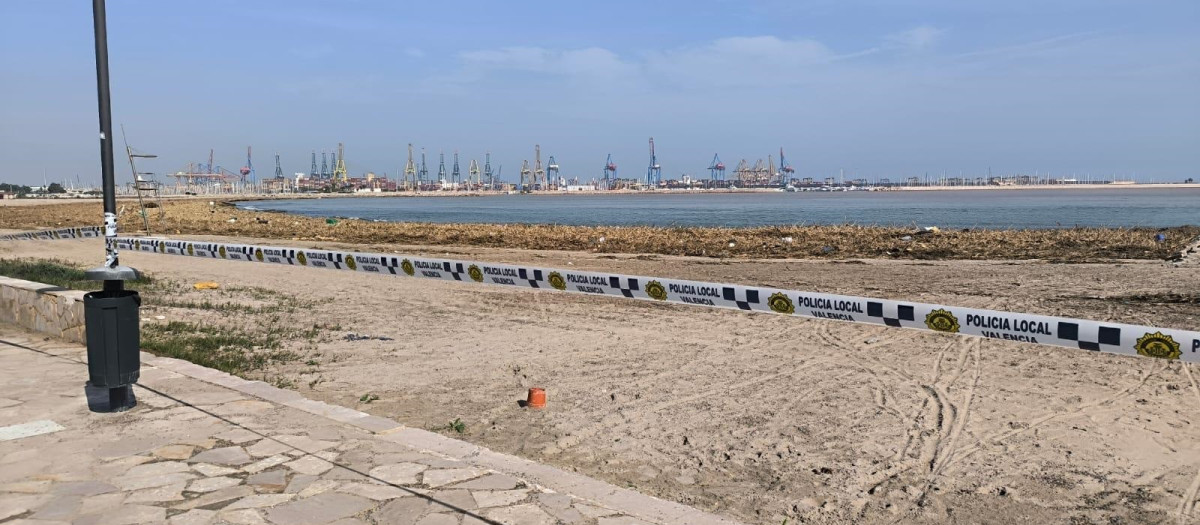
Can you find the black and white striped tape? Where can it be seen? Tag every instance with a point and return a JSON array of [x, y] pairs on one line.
[[62, 233], [1117, 338]]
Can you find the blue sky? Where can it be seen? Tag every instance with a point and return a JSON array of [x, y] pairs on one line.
[[878, 88]]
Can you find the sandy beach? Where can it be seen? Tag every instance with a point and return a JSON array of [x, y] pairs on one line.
[[756, 417]]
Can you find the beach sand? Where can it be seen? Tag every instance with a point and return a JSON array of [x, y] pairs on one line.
[[763, 417]]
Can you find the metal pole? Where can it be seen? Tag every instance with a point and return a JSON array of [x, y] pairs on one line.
[[108, 178]]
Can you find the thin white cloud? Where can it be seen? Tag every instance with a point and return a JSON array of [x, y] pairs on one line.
[[414, 52], [592, 62], [745, 60], [1029, 48], [919, 38]]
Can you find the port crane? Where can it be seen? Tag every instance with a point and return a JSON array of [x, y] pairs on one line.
[[410, 169], [423, 173], [442, 168], [654, 171], [552, 173], [487, 170], [716, 169], [248, 169], [610, 173], [340, 170], [786, 171], [539, 173], [526, 174], [473, 180]]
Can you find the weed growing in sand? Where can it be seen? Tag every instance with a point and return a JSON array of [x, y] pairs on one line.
[[283, 382], [206, 304], [457, 425], [222, 348], [367, 398], [56, 272]]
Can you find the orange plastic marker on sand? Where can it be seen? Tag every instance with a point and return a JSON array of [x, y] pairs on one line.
[[537, 398]]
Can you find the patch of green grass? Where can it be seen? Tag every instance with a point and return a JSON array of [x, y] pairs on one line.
[[367, 398], [232, 351], [56, 272], [457, 425], [225, 307], [283, 382]]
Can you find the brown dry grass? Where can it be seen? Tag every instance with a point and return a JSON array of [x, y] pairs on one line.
[[834, 242]]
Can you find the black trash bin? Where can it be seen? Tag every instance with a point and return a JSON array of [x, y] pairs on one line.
[[113, 339]]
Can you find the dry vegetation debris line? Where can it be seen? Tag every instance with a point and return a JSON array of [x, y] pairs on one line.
[[198, 217]]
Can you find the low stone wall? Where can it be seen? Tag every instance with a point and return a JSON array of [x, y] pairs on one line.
[[43, 308]]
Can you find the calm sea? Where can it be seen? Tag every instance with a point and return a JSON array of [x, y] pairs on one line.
[[993, 209]]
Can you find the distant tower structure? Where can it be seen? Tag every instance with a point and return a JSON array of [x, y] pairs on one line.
[[248, 169], [313, 173], [610, 173], [716, 169], [455, 173], [786, 170], [487, 170], [324, 165], [473, 180], [742, 172], [410, 169], [526, 175], [423, 173], [442, 167], [539, 174], [654, 171], [340, 170], [552, 173], [278, 169]]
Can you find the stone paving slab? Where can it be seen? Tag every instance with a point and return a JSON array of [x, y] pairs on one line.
[[204, 447]]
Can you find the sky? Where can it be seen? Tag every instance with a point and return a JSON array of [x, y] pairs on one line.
[[876, 88]]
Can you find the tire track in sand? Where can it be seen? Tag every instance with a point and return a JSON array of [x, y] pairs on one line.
[[937, 424], [996, 439], [1187, 505]]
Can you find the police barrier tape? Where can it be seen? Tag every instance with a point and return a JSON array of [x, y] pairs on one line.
[[1165, 343], [62, 233]]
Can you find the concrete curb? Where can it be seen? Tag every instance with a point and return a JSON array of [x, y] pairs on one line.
[[43, 308], [624, 500]]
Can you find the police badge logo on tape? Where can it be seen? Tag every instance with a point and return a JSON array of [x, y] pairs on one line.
[[258, 254], [221, 251], [190, 250], [656, 291], [407, 266], [475, 273], [351, 263], [1158, 345], [556, 280], [942, 321], [781, 303], [302, 258]]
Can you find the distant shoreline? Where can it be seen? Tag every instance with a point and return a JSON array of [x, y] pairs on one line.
[[276, 196], [403, 194]]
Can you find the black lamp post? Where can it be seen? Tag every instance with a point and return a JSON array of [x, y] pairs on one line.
[[111, 315]]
